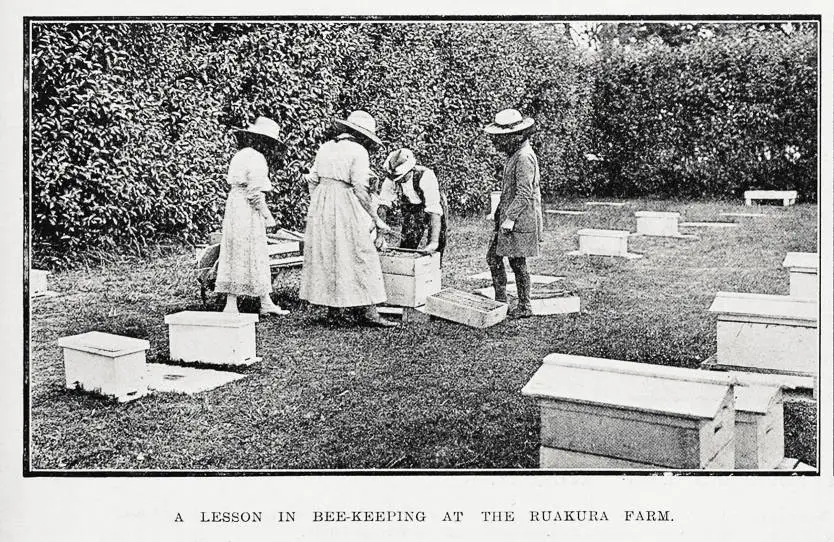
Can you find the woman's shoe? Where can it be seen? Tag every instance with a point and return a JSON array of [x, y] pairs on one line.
[[373, 318], [273, 310]]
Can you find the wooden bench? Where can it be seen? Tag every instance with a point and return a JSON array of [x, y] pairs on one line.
[[788, 197]]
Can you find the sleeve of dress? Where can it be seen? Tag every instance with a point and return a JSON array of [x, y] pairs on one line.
[[524, 173], [360, 168], [258, 174], [312, 176], [431, 192]]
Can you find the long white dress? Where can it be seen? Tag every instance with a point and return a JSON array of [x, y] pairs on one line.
[[341, 265], [243, 267]]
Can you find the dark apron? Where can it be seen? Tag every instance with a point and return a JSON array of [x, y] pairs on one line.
[[415, 219]]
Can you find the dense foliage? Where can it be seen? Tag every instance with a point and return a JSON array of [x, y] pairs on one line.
[[131, 127], [712, 118]]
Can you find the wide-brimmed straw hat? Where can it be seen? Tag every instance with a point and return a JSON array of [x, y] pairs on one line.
[[263, 127], [360, 123], [399, 162], [509, 121]]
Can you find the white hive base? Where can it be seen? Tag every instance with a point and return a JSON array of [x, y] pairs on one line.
[[188, 380], [541, 304]]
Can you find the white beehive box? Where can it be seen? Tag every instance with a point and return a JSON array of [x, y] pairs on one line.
[[760, 427], [409, 277], [788, 197], [212, 337], [105, 364], [804, 274], [656, 421], [604, 243], [38, 282], [759, 422], [659, 224], [464, 308], [767, 332]]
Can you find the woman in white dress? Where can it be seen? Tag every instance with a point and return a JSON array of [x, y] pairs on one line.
[[341, 265], [243, 267]]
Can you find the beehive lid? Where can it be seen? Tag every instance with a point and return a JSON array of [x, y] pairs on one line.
[[695, 400], [776, 307], [604, 233], [755, 399], [210, 319], [807, 262], [642, 369], [104, 344], [656, 214]]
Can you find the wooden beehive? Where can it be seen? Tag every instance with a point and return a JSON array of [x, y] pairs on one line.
[[464, 308], [409, 277], [656, 223], [760, 427], [650, 420], [212, 337], [603, 242], [804, 274], [767, 332], [759, 420], [38, 282], [105, 364]]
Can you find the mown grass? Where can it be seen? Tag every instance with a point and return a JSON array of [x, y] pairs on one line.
[[434, 395]]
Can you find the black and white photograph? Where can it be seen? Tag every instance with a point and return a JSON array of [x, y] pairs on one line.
[[585, 252]]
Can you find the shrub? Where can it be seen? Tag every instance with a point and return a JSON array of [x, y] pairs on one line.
[[712, 118]]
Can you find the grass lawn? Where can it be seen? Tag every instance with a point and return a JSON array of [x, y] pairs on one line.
[[433, 395]]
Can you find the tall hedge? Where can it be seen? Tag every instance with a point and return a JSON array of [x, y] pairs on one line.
[[132, 123], [712, 118]]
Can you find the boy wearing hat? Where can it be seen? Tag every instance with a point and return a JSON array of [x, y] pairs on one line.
[[421, 200], [518, 217]]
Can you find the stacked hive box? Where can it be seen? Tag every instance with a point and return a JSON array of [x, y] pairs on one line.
[[105, 364], [759, 419], [768, 333], [804, 277], [592, 418], [760, 427], [409, 277]]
